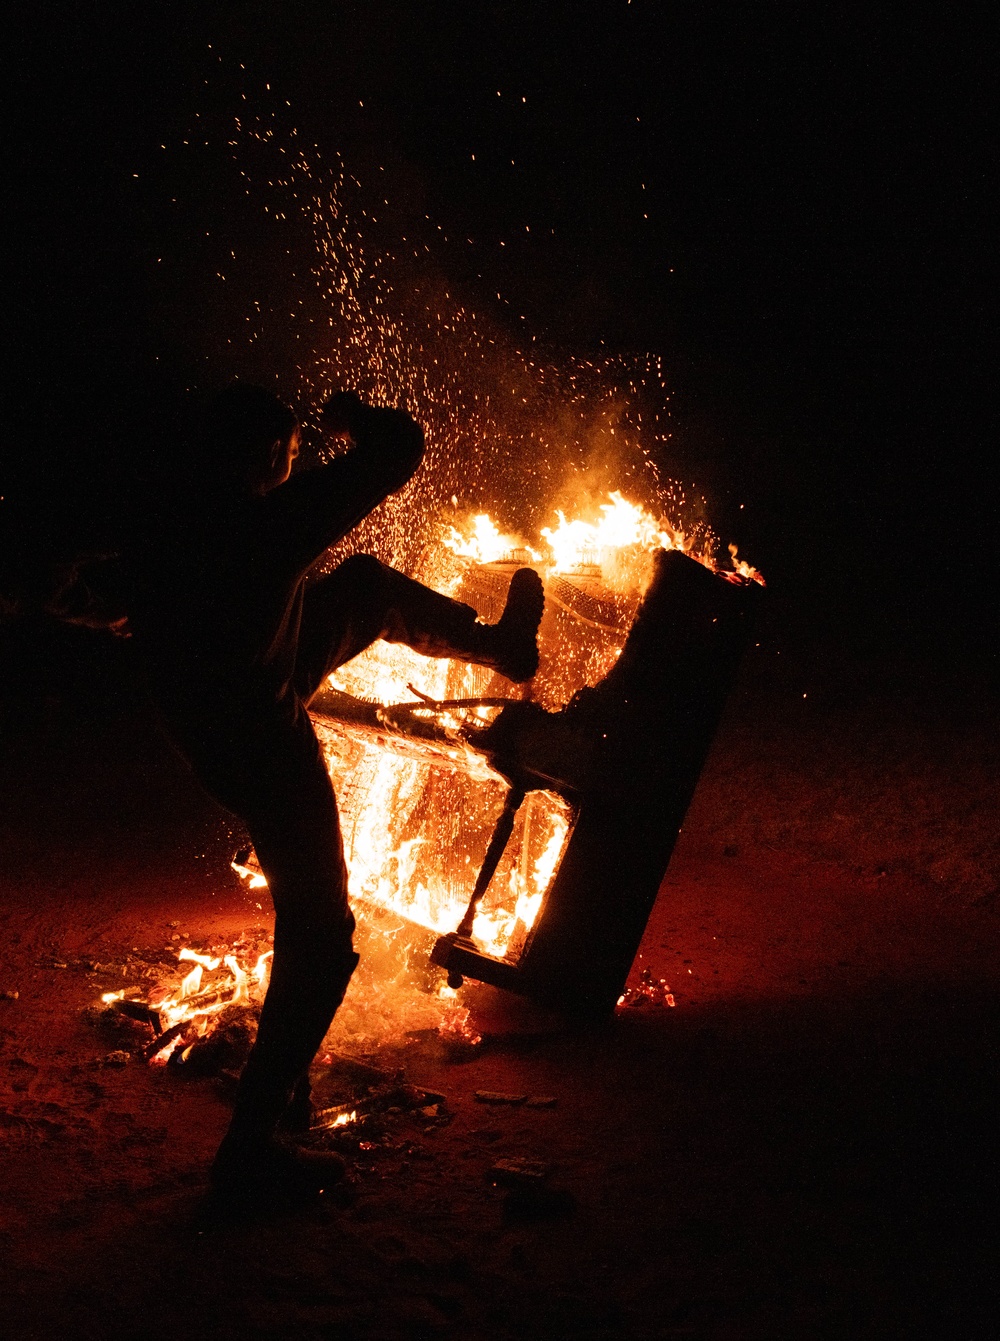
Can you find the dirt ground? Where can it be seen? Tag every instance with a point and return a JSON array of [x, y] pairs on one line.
[[803, 1147]]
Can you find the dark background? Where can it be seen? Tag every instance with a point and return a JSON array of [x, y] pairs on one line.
[[812, 267]]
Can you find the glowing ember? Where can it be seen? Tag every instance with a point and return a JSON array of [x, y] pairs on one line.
[[648, 991]]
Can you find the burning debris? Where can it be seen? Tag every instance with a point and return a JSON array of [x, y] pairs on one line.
[[395, 1097], [460, 807], [203, 1018], [206, 1021], [648, 991]]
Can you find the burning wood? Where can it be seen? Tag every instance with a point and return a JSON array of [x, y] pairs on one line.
[[180, 1016], [395, 1097]]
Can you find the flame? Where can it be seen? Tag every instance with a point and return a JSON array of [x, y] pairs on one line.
[[622, 525], [619, 530], [254, 879], [262, 968], [485, 542], [215, 983], [203, 961], [528, 896], [744, 569]]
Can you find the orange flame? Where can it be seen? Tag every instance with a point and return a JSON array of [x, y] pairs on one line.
[[486, 543], [215, 983]]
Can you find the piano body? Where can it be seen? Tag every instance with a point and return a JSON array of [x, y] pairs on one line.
[[623, 757]]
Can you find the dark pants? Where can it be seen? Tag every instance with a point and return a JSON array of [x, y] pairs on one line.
[[364, 600], [273, 776]]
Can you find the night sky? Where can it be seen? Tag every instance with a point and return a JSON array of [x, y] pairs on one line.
[[787, 202]]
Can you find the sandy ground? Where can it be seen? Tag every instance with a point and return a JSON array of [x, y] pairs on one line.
[[803, 1147]]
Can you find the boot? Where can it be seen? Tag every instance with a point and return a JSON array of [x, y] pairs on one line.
[[510, 646], [437, 626], [249, 1171], [297, 1117]]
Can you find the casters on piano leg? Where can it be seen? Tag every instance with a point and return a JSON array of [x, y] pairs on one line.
[[460, 959], [441, 954]]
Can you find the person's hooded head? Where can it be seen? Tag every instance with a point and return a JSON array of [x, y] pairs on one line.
[[251, 438]]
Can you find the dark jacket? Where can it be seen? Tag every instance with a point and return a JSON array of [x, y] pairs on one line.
[[218, 584]]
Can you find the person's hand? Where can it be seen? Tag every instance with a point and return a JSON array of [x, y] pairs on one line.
[[341, 413], [374, 426]]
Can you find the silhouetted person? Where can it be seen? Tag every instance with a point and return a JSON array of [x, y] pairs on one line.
[[235, 644]]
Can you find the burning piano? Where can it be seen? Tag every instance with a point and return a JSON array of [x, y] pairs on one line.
[[531, 837]]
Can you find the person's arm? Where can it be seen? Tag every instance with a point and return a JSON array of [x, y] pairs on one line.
[[315, 509]]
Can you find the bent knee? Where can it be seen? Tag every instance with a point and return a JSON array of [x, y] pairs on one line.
[[366, 589], [361, 570]]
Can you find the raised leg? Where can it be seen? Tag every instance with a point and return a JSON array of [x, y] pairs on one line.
[[364, 600]]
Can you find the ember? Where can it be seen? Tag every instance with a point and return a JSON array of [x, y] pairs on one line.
[[647, 992]]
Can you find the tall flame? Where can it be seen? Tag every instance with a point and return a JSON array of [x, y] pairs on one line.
[[621, 525], [485, 542]]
